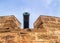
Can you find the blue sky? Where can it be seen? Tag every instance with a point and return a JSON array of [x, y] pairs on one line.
[[34, 7]]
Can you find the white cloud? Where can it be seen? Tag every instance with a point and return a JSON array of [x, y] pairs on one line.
[[48, 2]]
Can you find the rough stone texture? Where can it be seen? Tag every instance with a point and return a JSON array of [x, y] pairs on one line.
[[46, 30]]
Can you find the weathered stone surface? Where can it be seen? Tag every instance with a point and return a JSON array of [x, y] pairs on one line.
[[46, 30]]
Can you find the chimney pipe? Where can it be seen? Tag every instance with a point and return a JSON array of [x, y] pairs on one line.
[[26, 20]]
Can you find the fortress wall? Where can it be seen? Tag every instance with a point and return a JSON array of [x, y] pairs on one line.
[[9, 38], [39, 37], [46, 30], [30, 37]]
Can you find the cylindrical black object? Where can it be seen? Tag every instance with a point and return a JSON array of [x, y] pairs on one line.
[[26, 20]]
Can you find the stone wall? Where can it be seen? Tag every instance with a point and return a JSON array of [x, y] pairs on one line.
[[38, 37], [46, 30], [9, 38]]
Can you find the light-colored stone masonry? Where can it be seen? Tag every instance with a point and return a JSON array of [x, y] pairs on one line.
[[46, 30]]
